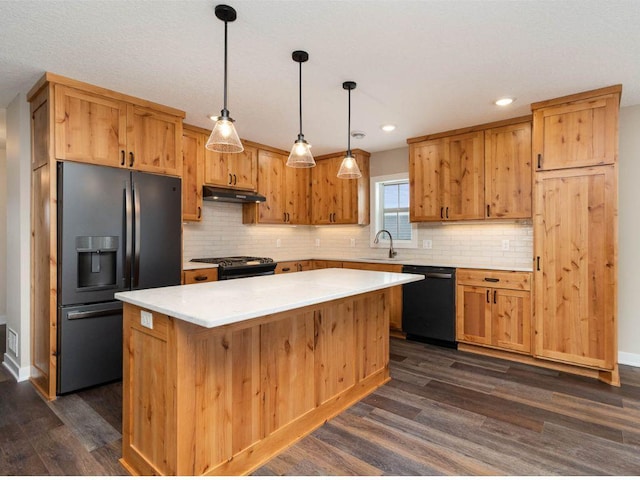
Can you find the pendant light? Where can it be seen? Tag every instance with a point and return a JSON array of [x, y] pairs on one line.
[[224, 137], [300, 156], [349, 167]]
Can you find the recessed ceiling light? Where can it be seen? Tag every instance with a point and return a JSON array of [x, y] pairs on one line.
[[503, 102], [388, 127]]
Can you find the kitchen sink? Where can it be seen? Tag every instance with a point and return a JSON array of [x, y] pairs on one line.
[[382, 259]]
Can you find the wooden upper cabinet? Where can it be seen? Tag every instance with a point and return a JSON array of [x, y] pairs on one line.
[[337, 200], [106, 130], [446, 178], [232, 170], [154, 141], [89, 128], [576, 131], [463, 192], [425, 180], [192, 173], [507, 166], [575, 237], [287, 191]]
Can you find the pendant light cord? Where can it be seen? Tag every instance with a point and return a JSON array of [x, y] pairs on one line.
[[300, 96], [349, 128], [225, 112]]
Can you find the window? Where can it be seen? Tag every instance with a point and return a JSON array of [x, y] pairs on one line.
[[390, 210]]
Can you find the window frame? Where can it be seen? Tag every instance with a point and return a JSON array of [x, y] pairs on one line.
[[376, 220]]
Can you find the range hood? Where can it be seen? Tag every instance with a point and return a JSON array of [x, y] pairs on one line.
[[219, 194]]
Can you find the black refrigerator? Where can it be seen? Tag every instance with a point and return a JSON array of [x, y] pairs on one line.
[[118, 230]]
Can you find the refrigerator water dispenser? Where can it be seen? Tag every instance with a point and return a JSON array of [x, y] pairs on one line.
[[97, 262]]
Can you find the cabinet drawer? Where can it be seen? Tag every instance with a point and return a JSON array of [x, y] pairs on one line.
[[494, 278], [200, 275]]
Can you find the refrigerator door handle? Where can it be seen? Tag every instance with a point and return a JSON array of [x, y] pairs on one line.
[[128, 248], [83, 314], [136, 239]]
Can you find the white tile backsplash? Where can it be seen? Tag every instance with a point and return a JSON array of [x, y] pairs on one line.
[[221, 233]]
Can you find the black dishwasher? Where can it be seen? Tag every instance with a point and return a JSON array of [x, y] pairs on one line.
[[429, 306]]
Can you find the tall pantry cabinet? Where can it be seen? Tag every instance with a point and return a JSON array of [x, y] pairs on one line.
[[575, 155]]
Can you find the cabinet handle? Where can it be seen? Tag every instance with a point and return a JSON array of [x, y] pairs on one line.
[[490, 279], [200, 278], [132, 159], [199, 212], [122, 156], [235, 179], [447, 212], [230, 180], [538, 264], [288, 217], [488, 301], [441, 212], [284, 217], [539, 160], [488, 211], [286, 269], [494, 296]]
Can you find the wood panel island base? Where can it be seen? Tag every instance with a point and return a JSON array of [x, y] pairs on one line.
[[221, 394]]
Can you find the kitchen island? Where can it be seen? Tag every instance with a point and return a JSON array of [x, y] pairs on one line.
[[220, 377]]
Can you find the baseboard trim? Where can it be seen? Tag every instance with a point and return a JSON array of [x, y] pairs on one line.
[[631, 359], [3, 319], [20, 374]]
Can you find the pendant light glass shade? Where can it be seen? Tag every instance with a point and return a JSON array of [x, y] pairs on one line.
[[224, 137], [349, 166], [300, 156]]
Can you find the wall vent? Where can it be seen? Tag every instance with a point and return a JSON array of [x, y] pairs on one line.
[[12, 342]]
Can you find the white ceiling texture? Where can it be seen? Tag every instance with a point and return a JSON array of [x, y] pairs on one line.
[[426, 66]]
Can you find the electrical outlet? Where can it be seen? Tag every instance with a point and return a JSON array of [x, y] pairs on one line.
[[12, 341], [317, 242], [146, 319], [428, 244], [352, 242], [278, 243], [505, 244]]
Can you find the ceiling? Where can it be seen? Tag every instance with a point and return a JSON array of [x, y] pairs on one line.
[[426, 66]]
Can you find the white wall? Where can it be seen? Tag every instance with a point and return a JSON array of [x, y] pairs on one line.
[[3, 218], [629, 237], [18, 167]]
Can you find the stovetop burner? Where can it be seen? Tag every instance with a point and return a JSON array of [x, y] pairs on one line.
[[234, 261]]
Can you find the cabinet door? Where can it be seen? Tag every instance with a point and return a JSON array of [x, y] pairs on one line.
[[463, 185], [271, 178], [577, 134], [216, 170], [243, 167], [425, 180], [325, 196], [192, 174], [154, 141], [575, 277], [297, 188], [473, 314], [511, 320], [508, 171], [89, 128], [200, 275]]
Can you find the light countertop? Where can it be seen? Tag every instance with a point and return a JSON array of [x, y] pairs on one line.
[[196, 265], [214, 304]]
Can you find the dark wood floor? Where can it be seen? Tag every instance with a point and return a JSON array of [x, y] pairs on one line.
[[444, 412]]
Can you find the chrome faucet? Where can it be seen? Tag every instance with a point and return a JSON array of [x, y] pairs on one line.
[[392, 252]]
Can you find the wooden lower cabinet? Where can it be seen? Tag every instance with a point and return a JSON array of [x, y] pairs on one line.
[[494, 309], [294, 266], [222, 401], [200, 275], [319, 264], [395, 316]]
